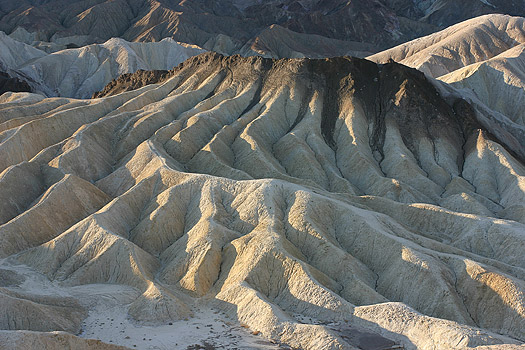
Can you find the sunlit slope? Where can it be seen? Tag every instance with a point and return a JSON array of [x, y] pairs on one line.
[[335, 189]]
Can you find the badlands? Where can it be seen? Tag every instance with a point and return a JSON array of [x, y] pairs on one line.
[[80, 72], [310, 28], [260, 203]]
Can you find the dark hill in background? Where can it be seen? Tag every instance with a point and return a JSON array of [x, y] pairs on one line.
[[235, 26]]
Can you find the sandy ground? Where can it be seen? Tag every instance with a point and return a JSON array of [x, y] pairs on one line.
[[208, 329], [108, 317]]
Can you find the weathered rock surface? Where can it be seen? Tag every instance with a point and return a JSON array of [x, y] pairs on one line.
[[24, 340], [81, 72], [280, 190], [49, 313], [133, 81], [8, 83], [231, 26], [280, 42], [14, 53], [468, 42], [499, 82], [483, 59]]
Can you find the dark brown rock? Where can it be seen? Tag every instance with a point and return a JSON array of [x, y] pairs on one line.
[[132, 81], [8, 83]]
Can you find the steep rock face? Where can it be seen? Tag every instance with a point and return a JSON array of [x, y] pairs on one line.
[[281, 191], [483, 59]]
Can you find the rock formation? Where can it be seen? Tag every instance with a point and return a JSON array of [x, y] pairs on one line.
[[80, 72], [8, 83], [307, 199], [482, 58], [133, 81], [469, 42], [229, 26]]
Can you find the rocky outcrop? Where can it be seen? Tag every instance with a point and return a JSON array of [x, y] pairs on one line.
[[133, 81], [8, 83], [482, 59], [296, 195]]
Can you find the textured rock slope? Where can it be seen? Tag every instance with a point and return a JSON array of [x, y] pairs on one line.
[[468, 42], [234, 26], [14, 53], [80, 72], [281, 191], [133, 81], [499, 82], [23, 340], [482, 57]]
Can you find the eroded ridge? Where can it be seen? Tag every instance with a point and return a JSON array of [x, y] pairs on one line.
[[281, 191]]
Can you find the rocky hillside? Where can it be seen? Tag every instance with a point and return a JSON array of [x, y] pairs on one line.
[[316, 202], [8, 83], [133, 81], [234, 26], [82, 71], [469, 42], [482, 58]]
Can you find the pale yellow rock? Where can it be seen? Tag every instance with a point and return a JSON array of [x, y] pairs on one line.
[[26, 340], [292, 205]]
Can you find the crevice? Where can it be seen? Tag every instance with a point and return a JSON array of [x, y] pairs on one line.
[[307, 97], [460, 297]]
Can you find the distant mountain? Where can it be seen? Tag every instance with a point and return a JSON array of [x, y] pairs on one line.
[[229, 26], [81, 72], [465, 43]]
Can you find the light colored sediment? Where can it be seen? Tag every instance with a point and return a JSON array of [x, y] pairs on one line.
[[279, 193]]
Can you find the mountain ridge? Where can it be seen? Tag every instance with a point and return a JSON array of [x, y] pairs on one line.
[[241, 201], [276, 191], [381, 24]]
